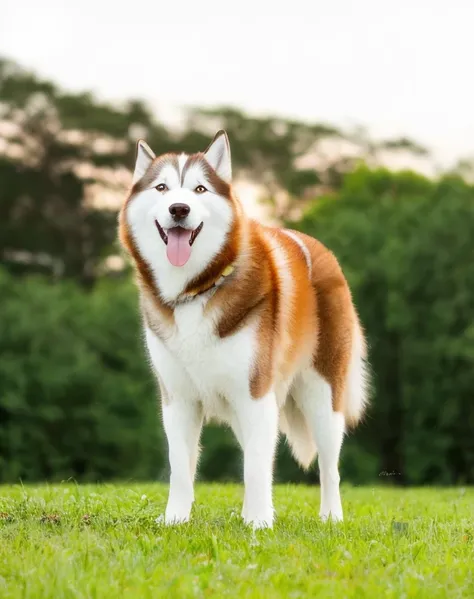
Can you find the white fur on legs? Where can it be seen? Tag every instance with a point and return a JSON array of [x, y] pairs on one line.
[[256, 427], [238, 435], [182, 421], [330, 443], [313, 395]]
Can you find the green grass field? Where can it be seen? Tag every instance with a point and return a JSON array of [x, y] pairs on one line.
[[70, 541]]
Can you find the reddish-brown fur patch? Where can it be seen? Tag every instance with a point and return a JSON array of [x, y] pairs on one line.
[[336, 318], [303, 319], [252, 294]]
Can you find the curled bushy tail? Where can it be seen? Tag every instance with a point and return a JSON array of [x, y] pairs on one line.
[[356, 393]]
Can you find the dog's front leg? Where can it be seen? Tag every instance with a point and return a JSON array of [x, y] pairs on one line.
[[182, 421], [257, 424]]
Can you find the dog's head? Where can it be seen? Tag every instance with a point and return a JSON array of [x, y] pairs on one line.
[[181, 211]]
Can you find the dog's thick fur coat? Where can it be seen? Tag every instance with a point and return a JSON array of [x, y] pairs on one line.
[[251, 325]]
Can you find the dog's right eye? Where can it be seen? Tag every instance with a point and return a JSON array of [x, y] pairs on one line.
[[162, 187]]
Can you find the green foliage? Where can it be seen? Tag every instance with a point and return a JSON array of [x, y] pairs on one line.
[[77, 397], [102, 541], [405, 244]]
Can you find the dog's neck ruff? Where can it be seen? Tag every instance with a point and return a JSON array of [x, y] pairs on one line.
[[193, 293]]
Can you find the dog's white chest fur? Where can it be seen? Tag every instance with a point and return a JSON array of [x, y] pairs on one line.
[[195, 362]]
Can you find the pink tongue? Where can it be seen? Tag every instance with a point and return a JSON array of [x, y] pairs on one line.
[[178, 249]]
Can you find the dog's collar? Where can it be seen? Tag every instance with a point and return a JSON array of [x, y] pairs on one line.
[[188, 295]]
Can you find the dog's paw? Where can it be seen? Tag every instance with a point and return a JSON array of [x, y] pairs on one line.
[[177, 514], [259, 522], [331, 516], [172, 519]]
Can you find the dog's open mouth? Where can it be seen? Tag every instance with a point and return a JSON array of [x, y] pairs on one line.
[[178, 242]]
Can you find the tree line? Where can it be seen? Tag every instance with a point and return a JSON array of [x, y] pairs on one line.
[[77, 398]]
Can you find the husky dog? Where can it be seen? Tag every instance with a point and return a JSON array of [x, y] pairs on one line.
[[250, 325]]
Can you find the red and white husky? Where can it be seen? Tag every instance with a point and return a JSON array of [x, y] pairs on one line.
[[250, 325]]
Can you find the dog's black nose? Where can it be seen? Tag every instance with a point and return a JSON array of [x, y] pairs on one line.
[[179, 211]]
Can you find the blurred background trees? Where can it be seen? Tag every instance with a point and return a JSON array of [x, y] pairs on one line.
[[77, 398]]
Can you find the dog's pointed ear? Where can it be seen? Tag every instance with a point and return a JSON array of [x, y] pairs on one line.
[[218, 156], [143, 160]]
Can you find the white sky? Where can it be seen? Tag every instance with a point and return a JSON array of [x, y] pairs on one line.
[[397, 67]]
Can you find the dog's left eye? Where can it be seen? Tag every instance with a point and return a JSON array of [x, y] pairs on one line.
[[200, 189]]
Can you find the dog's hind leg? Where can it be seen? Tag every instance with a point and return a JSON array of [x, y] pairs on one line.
[[313, 396]]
